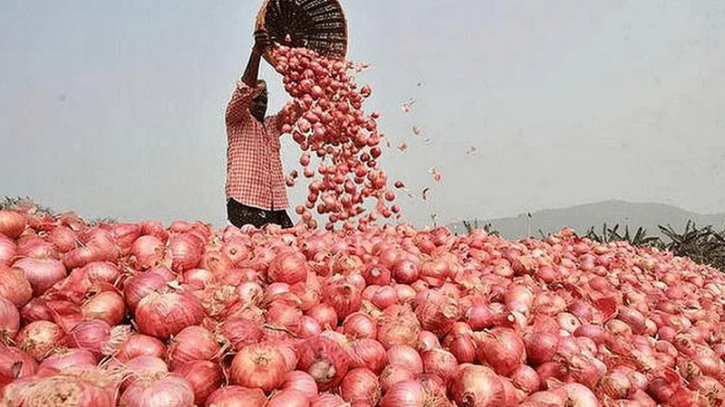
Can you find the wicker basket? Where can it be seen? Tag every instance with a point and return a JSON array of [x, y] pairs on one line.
[[319, 25]]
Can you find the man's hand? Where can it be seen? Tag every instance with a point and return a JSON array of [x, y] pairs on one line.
[[261, 41]]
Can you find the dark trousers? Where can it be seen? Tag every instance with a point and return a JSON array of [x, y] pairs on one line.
[[240, 215]]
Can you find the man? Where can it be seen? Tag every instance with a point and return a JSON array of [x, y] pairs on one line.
[[255, 187]]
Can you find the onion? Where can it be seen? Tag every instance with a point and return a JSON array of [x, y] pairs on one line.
[[140, 285], [259, 365], [325, 360], [405, 272], [281, 315], [325, 314], [107, 306], [407, 393], [368, 353], [328, 400], [525, 379], [106, 272], [236, 396], [204, 376], [437, 313], [302, 382], [440, 362], [360, 386], [376, 274], [289, 268], [140, 345], [147, 251], [38, 338], [9, 320], [168, 391], [345, 298], [191, 344], [359, 326], [41, 274], [476, 386], [241, 332], [392, 375], [91, 335], [405, 357], [503, 350], [398, 326], [309, 327], [142, 368], [15, 364], [163, 315], [427, 341], [69, 360], [185, 251], [614, 384], [64, 390], [12, 223], [8, 250], [579, 396]]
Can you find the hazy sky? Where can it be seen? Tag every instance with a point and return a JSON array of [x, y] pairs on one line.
[[115, 108]]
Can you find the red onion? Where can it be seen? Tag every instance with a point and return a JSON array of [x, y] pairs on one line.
[[204, 376], [8, 250], [41, 274], [66, 390], [15, 364], [579, 396], [345, 298], [614, 384], [281, 315], [191, 344], [289, 268], [241, 332], [69, 360], [329, 400], [405, 272], [405, 293], [185, 251], [259, 365], [325, 314], [142, 368], [376, 274], [407, 393], [437, 313], [392, 375], [398, 326], [302, 382], [439, 362], [147, 251], [168, 391], [426, 341], [38, 338], [309, 327], [140, 285], [477, 386], [236, 396], [9, 320], [526, 379], [90, 335], [405, 357], [503, 349], [360, 385], [163, 315], [139, 345], [288, 398], [359, 326], [325, 360], [12, 223], [368, 353], [107, 306], [540, 346], [101, 272]]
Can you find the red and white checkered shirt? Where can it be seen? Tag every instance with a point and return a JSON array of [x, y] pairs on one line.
[[254, 167]]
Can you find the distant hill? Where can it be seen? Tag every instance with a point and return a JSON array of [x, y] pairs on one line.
[[583, 217]]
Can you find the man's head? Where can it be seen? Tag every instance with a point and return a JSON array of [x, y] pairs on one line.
[[259, 104]]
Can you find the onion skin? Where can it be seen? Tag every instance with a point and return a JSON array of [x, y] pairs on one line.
[[406, 357], [203, 376], [289, 398], [107, 306], [236, 396], [70, 360], [288, 268], [368, 353], [241, 332], [15, 364], [62, 389], [301, 382], [325, 360], [163, 315], [407, 393], [41, 274], [503, 350], [169, 391], [92, 335]]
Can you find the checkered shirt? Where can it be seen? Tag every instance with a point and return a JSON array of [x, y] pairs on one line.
[[254, 167]]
